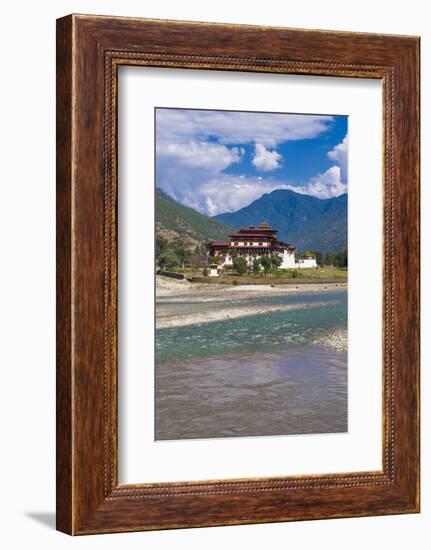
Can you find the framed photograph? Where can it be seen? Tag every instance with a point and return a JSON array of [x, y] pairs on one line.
[[237, 274]]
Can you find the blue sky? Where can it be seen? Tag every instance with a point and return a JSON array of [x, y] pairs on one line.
[[220, 161]]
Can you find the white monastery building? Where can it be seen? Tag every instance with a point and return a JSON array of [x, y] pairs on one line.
[[306, 260], [256, 242], [213, 270]]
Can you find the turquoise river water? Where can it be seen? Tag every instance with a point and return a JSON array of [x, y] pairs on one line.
[[264, 374]]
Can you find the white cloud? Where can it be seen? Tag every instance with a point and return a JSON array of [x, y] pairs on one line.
[[265, 160], [269, 129], [230, 193], [208, 155], [324, 186], [194, 148], [339, 155], [333, 182]]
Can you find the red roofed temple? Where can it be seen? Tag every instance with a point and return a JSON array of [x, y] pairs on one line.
[[253, 242]]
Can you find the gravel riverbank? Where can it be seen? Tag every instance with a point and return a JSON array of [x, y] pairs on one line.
[[171, 288]]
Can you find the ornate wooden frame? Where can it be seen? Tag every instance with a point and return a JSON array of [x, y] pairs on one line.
[[89, 51]]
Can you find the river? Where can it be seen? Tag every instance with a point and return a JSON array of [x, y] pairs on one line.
[[265, 374]]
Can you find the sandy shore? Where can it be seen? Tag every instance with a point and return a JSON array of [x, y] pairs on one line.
[[210, 316], [200, 292]]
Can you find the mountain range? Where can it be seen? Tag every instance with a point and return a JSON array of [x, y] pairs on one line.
[[173, 220], [307, 222]]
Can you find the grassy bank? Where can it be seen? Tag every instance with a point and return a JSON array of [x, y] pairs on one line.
[[282, 277]]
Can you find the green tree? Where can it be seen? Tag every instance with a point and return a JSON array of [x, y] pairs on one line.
[[276, 261], [197, 255], [240, 265], [182, 250], [319, 258], [200, 249], [168, 259], [206, 272], [256, 266], [161, 244], [330, 259], [266, 264], [342, 258]]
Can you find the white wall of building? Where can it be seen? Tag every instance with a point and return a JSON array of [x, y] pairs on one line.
[[306, 263], [288, 259]]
